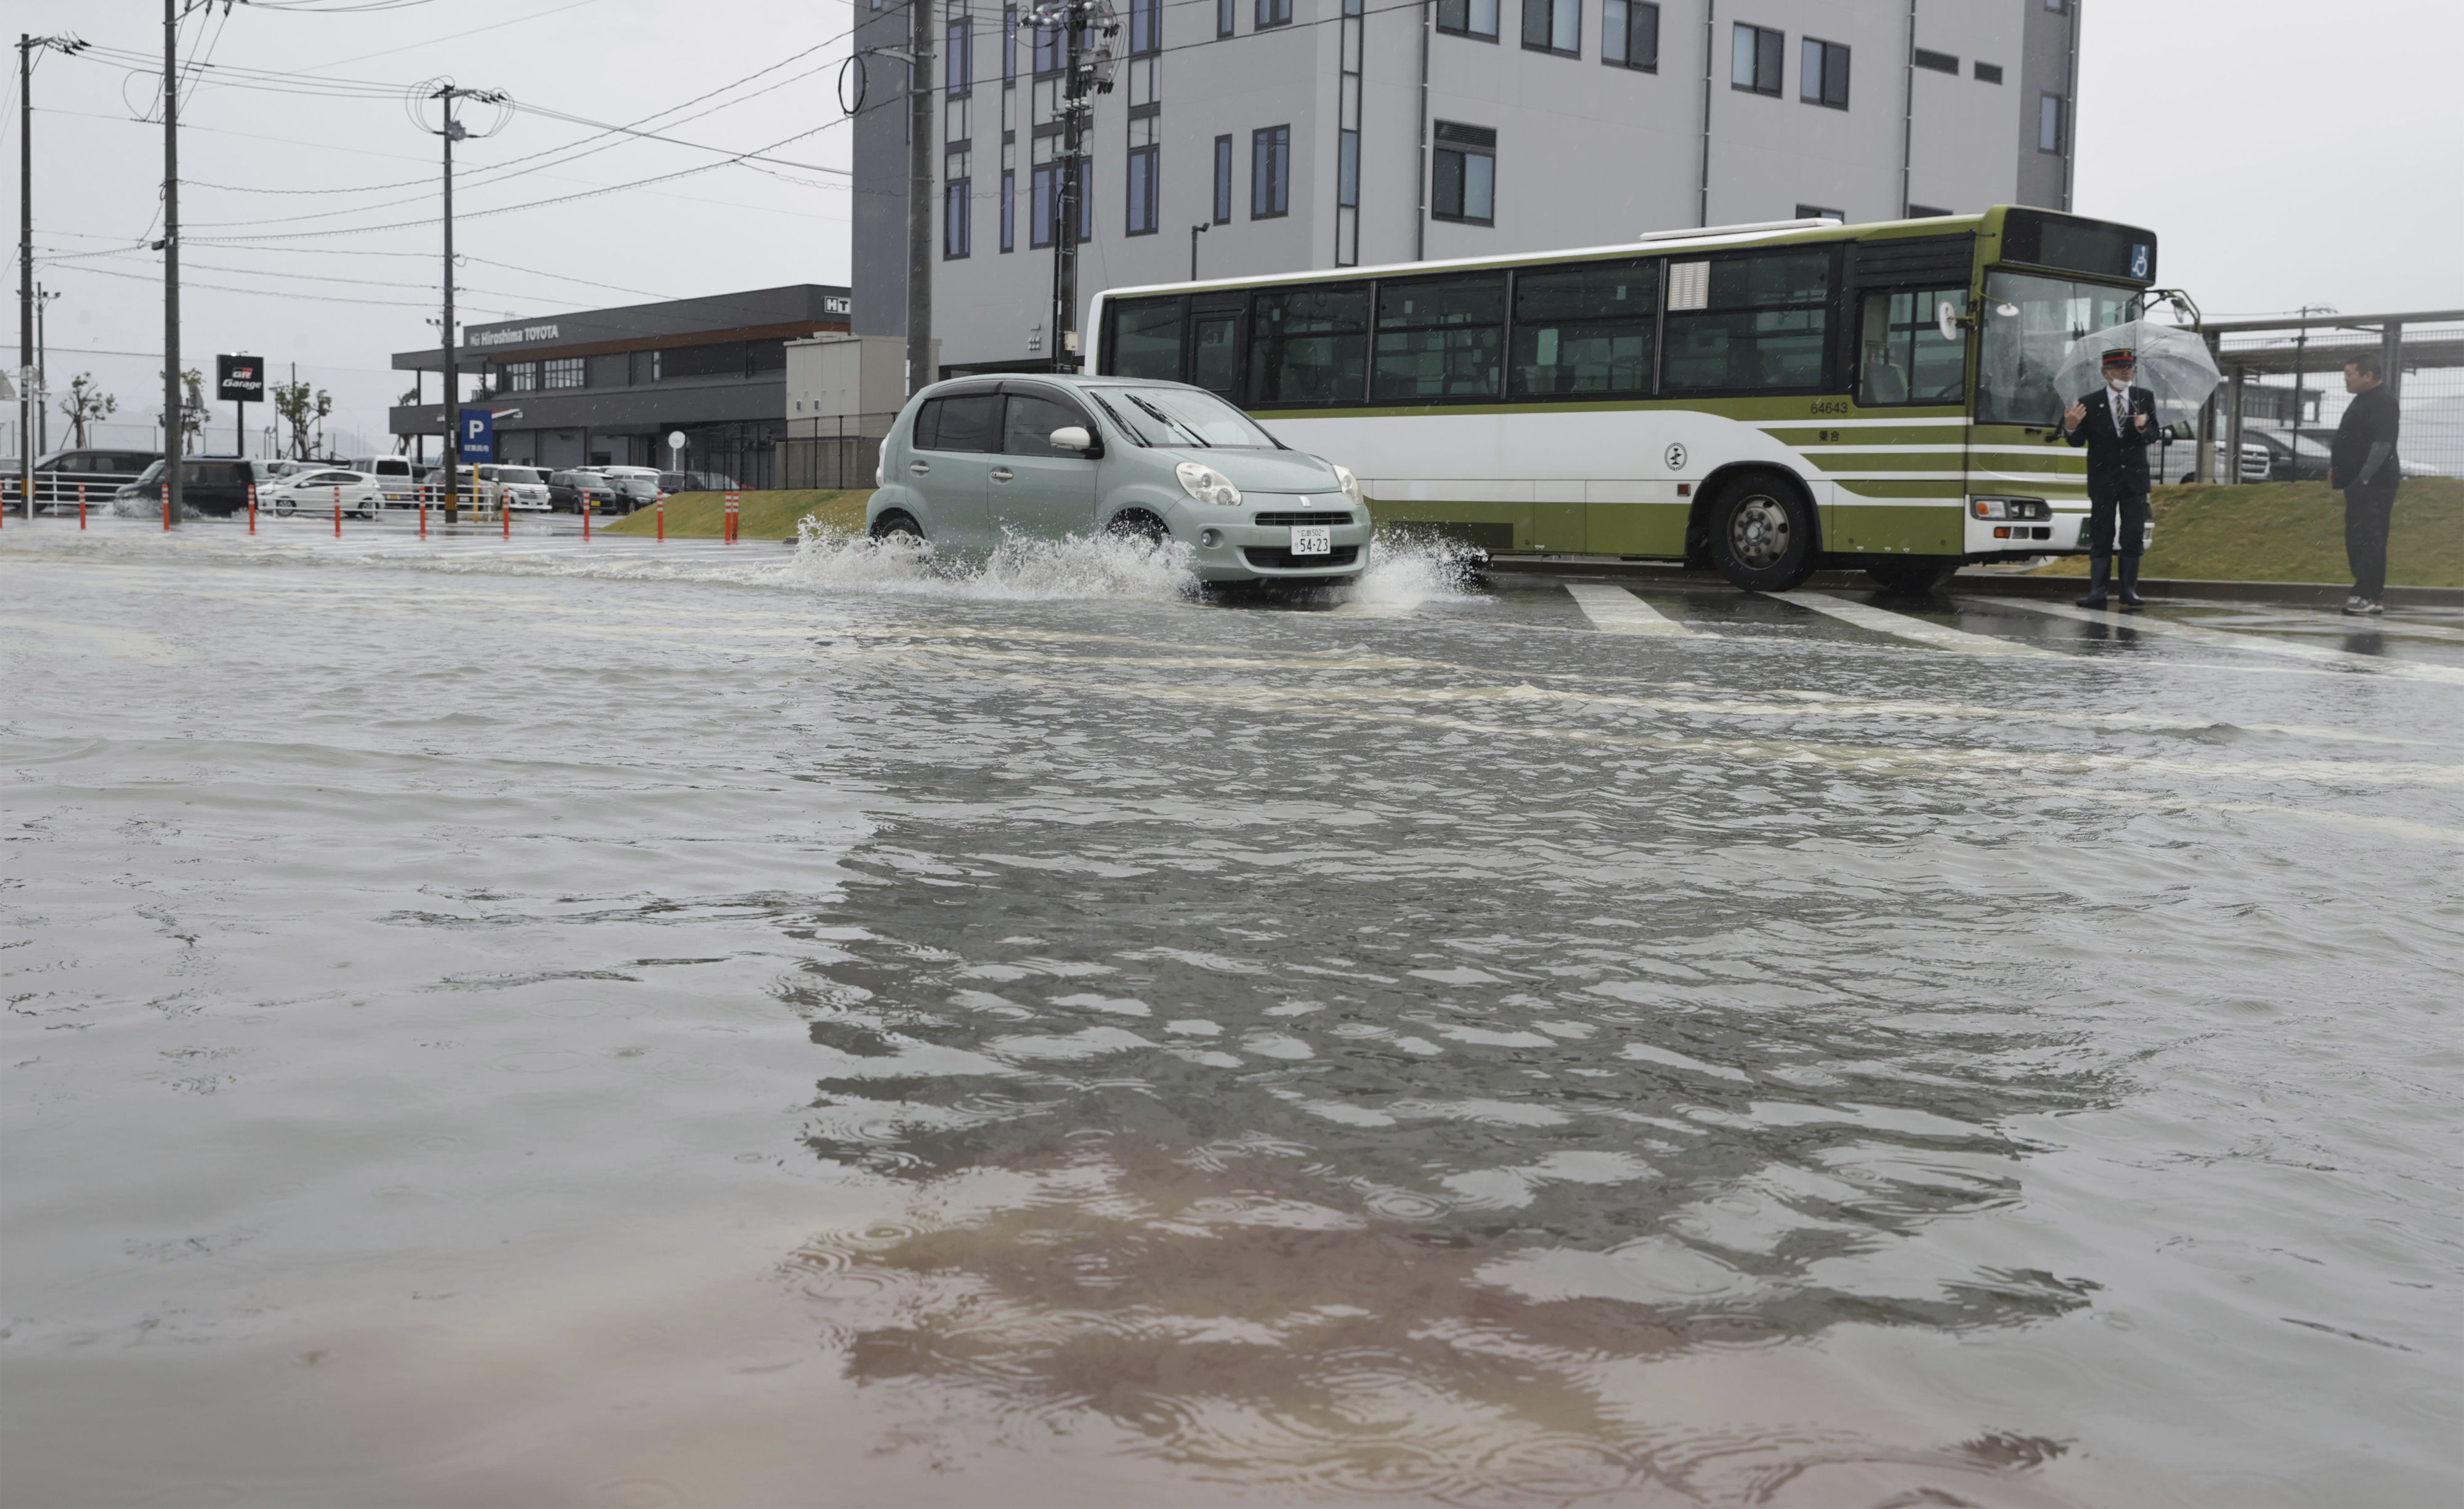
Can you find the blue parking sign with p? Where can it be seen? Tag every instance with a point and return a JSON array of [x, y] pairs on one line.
[[478, 435]]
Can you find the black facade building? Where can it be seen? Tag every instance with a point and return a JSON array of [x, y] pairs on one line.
[[606, 387]]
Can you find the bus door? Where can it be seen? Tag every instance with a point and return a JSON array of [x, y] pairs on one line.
[[1908, 292], [1218, 337]]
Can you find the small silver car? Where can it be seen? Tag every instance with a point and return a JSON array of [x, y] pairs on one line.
[[972, 460]]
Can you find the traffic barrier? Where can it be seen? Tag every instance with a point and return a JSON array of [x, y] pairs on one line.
[[732, 510]]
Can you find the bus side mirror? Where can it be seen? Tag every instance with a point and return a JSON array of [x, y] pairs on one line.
[[1946, 317]]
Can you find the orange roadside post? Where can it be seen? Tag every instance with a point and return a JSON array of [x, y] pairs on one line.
[[167, 507], [585, 515], [663, 521], [732, 505], [80, 505], [422, 514], [504, 516], [252, 507], [337, 510]]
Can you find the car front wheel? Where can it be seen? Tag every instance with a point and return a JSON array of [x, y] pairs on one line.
[[896, 526]]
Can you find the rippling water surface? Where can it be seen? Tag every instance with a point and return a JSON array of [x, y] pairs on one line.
[[624, 1029]]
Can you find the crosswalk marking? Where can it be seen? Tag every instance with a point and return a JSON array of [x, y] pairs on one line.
[[1615, 610], [2317, 655], [1901, 626]]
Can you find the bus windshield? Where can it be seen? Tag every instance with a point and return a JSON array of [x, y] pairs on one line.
[[2030, 323], [1179, 416]]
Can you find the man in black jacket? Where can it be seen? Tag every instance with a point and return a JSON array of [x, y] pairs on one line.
[[2366, 467], [2115, 423]]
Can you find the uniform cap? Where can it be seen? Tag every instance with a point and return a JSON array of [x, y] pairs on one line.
[[2122, 356]]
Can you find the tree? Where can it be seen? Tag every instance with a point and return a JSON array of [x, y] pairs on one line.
[[87, 404], [193, 413], [409, 399], [302, 411]]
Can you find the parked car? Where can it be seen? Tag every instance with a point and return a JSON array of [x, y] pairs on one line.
[[672, 482], [648, 474], [568, 491], [395, 472], [2290, 461], [101, 472], [522, 489], [972, 460], [635, 490], [216, 486], [2177, 460], [359, 493]]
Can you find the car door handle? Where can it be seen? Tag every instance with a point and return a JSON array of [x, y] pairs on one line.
[[919, 468], [1003, 474]]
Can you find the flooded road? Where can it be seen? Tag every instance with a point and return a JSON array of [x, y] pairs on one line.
[[562, 1025]]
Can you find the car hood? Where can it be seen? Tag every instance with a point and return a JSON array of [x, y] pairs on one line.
[[1263, 470]]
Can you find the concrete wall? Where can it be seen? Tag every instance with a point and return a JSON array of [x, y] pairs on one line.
[[2046, 50]]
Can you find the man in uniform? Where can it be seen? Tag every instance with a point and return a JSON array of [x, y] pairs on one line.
[[2115, 423], [2364, 465]]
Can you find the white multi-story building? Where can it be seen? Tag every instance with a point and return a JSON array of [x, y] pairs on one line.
[[1325, 133]]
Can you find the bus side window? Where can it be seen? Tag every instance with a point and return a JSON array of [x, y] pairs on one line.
[[1145, 340], [1762, 327], [1308, 346], [1584, 329], [1901, 355]]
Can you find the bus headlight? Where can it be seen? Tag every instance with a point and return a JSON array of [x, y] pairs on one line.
[[2019, 508], [1350, 483], [1207, 485]]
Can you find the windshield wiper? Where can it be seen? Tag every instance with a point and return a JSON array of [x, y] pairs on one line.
[[1168, 423]]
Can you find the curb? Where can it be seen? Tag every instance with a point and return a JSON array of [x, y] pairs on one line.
[[1971, 579]]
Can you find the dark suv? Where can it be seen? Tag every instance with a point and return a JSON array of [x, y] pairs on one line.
[[567, 490], [213, 485], [99, 473]]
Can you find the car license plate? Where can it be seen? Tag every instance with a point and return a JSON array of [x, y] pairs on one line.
[[1313, 539]]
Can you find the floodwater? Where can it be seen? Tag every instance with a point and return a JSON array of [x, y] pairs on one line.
[[552, 1025]]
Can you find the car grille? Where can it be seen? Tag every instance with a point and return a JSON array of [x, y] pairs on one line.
[[1272, 520], [1277, 559]]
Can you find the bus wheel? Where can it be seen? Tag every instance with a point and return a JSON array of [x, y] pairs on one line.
[[1762, 534], [1916, 577], [896, 526]]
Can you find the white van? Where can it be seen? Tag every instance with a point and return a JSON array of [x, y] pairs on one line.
[[393, 473]]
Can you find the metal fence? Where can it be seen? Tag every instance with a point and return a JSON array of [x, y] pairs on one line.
[[2285, 389], [833, 450]]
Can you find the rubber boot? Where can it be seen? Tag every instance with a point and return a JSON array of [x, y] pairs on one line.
[[2098, 567], [2130, 597]]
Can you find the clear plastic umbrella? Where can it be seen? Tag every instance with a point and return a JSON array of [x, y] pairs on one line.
[[2173, 363]]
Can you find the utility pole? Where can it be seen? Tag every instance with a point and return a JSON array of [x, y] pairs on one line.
[[28, 402], [1087, 73], [172, 506], [452, 131], [42, 369], [920, 139]]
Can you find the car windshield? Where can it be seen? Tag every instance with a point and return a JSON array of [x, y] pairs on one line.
[[517, 473], [1180, 416], [2023, 349]]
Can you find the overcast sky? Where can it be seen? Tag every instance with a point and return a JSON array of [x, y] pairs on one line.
[[2286, 155]]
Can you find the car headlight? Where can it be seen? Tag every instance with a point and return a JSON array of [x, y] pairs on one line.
[[1350, 483], [1207, 485]]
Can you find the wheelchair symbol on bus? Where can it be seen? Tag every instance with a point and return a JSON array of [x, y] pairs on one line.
[[1675, 458]]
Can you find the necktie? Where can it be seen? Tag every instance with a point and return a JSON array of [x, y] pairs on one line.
[[2120, 403]]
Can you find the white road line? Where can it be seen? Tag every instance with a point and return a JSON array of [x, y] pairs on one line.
[[1884, 622], [1615, 610], [2317, 655]]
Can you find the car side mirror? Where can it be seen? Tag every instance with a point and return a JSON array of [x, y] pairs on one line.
[[1071, 437]]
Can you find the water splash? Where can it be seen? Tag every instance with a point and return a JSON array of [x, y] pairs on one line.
[[1019, 569]]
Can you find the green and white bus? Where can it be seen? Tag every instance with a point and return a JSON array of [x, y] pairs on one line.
[[1768, 399]]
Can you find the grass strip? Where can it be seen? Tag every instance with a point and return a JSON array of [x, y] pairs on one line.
[[770, 515], [2295, 532]]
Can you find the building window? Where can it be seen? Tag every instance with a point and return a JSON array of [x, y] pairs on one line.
[[562, 372], [2057, 7], [1146, 26], [1270, 168], [959, 112], [1928, 212], [1274, 13], [958, 55], [1143, 175], [1822, 75], [1085, 182], [1939, 62], [1225, 10], [1630, 35], [1817, 213], [1989, 73], [1009, 209], [1042, 192], [1553, 26], [1754, 59], [521, 377], [957, 227], [1347, 141], [1047, 50], [2049, 123], [1468, 19], [1464, 185], [1009, 43], [1223, 179]]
